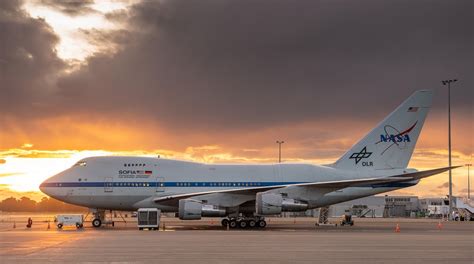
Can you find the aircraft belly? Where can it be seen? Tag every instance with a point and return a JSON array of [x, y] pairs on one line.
[[97, 198]]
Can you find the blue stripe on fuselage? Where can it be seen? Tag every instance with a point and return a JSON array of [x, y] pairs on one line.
[[202, 184], [164, 184]]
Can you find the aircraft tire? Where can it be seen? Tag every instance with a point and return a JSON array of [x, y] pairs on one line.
[[252, 223], [96, 222], [233, 224], [243, 224], [262, 223], [60, 226]]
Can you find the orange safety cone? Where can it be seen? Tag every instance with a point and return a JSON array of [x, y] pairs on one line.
[[164, 226], [294, 221], [397, 229], [49, 227], [440, 225], [14, 224]]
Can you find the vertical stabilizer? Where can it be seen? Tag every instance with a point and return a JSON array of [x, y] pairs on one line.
[[391, 143]]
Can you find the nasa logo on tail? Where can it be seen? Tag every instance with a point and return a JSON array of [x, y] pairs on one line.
[[363, 154], [395, 137]]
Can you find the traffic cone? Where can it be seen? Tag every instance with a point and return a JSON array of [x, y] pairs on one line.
[[440, 225], [397, 229], [49, 227], [294, 221], [14, 224], [164, 226]]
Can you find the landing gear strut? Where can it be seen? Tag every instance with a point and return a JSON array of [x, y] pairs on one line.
[[100, 218], [244, 222]]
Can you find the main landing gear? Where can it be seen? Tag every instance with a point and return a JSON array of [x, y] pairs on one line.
[[244, 222]]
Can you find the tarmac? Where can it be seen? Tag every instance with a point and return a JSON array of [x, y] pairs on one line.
[[285, 240]]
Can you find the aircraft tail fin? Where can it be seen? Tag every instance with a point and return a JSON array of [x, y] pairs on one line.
[[391, 143]]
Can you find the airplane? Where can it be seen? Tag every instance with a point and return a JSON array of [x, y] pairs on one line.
[[244, 194]]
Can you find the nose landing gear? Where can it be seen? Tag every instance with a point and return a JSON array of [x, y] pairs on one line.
[[96, 222], [100, 218]]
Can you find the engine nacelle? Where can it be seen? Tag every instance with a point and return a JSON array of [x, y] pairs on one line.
[[190, 209], [268, 203], [292, 205], [193, 210], [272, 203], [210, 210]]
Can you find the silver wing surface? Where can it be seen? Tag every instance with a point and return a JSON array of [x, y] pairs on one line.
[[329, 185]]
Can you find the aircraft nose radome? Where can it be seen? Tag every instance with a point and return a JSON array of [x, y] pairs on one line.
[[42, 187]]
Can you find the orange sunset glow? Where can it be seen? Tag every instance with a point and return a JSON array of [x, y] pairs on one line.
[[164, 78]]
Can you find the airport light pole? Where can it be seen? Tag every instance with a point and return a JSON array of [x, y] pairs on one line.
[[468, 181], [448, 82], [279, 149]]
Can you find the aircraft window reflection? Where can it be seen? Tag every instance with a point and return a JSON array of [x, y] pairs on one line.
[[80, 163]]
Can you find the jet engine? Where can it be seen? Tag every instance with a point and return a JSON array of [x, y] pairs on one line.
[[273, 203], [193, 210]]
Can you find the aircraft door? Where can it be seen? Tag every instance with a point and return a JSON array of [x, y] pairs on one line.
[[109, 184], [160, 184]]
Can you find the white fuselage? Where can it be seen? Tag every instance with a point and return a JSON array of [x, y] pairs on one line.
[[129, 183]]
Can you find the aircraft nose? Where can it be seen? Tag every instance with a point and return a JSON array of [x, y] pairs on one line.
[[44, 187], [50, 185]]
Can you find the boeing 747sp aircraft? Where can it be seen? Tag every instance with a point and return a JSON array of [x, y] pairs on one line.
[[245, 194]]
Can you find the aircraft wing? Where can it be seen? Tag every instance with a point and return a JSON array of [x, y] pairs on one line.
[[327, 184]]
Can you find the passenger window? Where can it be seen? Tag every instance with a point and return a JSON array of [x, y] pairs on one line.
[[80, 163]]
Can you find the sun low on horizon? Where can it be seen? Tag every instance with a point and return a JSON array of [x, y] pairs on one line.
[[221, 83]]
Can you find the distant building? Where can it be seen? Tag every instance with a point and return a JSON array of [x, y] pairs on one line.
[[372, 206], [385, 206], [400, 206]]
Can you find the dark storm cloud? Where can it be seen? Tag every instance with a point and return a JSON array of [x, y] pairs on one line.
[[70, 7], [251, 63], [236, 63], [28, 62]]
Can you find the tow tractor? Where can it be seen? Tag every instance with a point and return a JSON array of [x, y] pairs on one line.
[[347, 220], [69, 220]]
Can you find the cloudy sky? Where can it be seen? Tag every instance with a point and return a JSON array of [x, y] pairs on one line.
[[221, 80]]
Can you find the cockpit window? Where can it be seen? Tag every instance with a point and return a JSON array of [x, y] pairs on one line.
[[80, 163]]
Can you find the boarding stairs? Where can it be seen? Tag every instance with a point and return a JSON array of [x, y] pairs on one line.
[[465, 208], [366, 213]]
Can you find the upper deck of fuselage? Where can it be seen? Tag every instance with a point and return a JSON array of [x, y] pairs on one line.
[[101, 166], [123, 168], [150, 162]]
